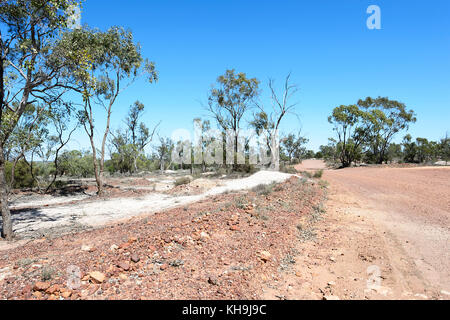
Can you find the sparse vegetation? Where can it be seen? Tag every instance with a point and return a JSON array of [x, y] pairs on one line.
[[306, 234], [323, 184], [264, 189], [47, 273], [241, 202], [182, 181], [307, 174], [318, 174], [288, 260], [23, 263], [288, 169]]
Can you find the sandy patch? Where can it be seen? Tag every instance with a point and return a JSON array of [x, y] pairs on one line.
[[29, 222]]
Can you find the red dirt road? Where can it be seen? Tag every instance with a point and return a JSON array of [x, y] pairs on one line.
[[385, 235], [411, 206]]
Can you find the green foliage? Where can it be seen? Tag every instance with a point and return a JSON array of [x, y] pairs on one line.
[[421, 150], [100, 60], [261, 122], [386, 118], [32, 29], [369, 126], [409, 149], [128, 146], [329, 152], [76, 164], [123, 157], [48, 273], [30, 132], [245, 168], [444, 149], [318, 174], [22, 175], [230, 99], [427, 151], [293, 146], [164, 152], [394, 152], [352, 131], [309, 154]]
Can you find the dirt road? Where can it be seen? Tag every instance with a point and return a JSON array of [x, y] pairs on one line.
[[386, 235]]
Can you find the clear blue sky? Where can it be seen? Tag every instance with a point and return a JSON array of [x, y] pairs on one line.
[[334, 58]]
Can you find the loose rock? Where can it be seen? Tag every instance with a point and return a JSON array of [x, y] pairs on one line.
[[97, 277], [41, 286], [265, 256], [135, 258]]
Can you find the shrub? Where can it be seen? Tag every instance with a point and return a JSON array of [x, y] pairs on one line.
[[288, 169], [76, 164], [318, 174], [264, 189], [245, 168], [22, 175], [307, 174], [47, 273], [182, 181], [241, 202]]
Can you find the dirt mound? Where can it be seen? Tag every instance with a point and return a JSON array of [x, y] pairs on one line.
[[197, 186]]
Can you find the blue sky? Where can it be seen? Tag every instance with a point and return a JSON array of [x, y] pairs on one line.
[[333, 57]]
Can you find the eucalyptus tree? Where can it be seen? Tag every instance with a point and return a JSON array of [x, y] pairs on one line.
[[58, 120], [122, 152], [140, 134], [105, 64], [294, 146], [370, 124], [164, 152], [29, 133], [352, 129], [387, 117], [29, 31], [409, 149], [230, 99]]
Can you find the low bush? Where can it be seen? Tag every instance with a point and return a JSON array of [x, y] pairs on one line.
[[307, 174], [245, 168], [288, 169], [318, 174], [264, 189], [22, 175], [182, 181]]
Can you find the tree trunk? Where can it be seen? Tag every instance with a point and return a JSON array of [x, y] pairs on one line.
[[98, 177], [102, 155], [275, 153], [7, 230], [135, 164]]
